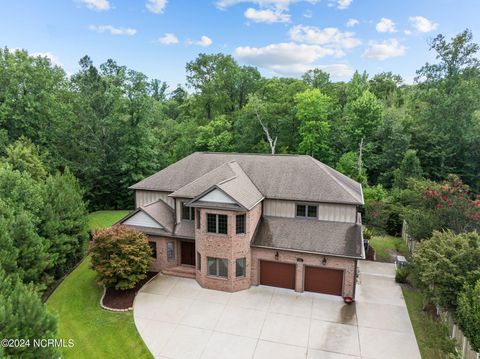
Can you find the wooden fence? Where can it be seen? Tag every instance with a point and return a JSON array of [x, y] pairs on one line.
[[411, 243], [464, 347]]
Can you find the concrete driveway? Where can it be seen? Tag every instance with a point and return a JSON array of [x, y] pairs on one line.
[[178, 319]]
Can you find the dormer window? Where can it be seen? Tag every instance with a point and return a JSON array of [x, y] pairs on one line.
[[188, 213], [307, 210]]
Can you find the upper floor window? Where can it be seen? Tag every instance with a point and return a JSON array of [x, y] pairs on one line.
[[240, 223], [217, 223], [188, 213], [307, 210]]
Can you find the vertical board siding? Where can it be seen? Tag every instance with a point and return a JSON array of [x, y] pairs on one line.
[[337, 212], [145, 197], [326, 211], [279, 208]]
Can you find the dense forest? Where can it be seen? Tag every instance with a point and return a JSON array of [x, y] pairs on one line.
[[72, 144], [112, 126]]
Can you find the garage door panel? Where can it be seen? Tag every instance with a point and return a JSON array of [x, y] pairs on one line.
[[323, 280], [277, 274]]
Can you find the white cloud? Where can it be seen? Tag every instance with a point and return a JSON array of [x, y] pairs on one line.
[[352, 22], [268, 16], [284, 4], [407, 32], [290, 59], [384, 50], [113, 30], [204, 41], [330, 37], [281, 54], [168, 39], [98, 5], [344, 4], [53, 58], [308, 14], [386, 25], [422, 24], [156, 6], [269, 11]]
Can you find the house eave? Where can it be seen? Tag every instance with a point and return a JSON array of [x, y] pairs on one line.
[[308, 252]]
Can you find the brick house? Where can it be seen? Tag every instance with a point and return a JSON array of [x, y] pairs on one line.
[[235, 220]]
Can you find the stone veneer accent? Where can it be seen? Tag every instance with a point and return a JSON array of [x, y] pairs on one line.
[[229, 246], [315, 260]]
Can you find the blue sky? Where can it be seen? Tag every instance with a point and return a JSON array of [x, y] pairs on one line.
[[280, 37]]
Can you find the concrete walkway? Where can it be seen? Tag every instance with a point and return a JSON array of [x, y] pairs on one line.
[[178, 319]]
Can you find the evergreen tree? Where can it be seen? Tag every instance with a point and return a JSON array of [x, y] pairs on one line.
[[64, 222], [23, 316], [409, 168]]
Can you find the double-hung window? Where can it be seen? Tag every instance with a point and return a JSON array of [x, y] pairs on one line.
[[217, 267], [307, 210], [217, 223], [240, 265], [153, 247], [170, 251], [240, 223], [188, 213]]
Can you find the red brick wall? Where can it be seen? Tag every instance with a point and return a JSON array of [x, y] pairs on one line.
[[345, 264], [162, 262], [229, 246]]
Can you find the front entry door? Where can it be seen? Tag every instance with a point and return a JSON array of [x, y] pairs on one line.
[[187, 253]]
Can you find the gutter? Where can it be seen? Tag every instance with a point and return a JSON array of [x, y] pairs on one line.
[[303, 251]]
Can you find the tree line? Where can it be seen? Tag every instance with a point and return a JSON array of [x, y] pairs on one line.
[[112, 126]]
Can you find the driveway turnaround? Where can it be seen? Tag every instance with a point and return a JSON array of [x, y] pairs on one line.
[[178, 319]]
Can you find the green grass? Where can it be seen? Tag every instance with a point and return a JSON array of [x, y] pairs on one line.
[[102, 219], [385, 244], [432, 336], [97, 333]]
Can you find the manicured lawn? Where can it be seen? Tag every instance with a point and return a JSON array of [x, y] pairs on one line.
[[385, 244], [97, 333], [102, 219], [431, 334]]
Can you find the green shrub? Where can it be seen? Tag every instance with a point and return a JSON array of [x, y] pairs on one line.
[[367, 233], [401, 274], [120, 256], [468, 313], [448, 261]]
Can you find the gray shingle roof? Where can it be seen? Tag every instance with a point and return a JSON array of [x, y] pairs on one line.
[[306, 235], [163, 214], [293, 177], [230, 178]]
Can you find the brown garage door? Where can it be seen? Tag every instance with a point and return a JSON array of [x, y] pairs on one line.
[[323, 280], [277, 274]]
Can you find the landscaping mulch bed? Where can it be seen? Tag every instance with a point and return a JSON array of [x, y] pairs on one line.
[[123, 299]]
